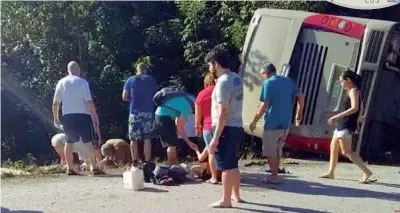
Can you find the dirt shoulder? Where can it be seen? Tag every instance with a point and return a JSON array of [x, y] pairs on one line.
[[301, 192]]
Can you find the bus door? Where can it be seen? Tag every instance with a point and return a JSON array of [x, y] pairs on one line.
[[318, 60]]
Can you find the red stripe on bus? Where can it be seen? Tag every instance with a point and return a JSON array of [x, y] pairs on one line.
[[336, 24], [320, 145]]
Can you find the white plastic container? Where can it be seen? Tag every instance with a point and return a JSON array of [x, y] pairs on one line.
[[134, 179]]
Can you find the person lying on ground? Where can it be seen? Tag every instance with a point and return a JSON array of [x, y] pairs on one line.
[[116, 153], [202, 169]]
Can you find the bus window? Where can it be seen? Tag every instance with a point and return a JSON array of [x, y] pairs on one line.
[[334, 88], [392, 61]]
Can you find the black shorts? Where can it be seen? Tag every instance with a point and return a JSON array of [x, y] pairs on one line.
[[78, 126], [166, 128], [227, 153]]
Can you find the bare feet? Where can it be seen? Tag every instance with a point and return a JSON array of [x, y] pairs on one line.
[[221, 204], [212, 181], [328, 176]]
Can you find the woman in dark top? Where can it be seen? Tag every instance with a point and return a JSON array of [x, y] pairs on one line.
[[346, 124]]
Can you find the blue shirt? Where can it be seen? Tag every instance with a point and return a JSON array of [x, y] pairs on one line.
[[180, 107], [142, 89], [280, 93]]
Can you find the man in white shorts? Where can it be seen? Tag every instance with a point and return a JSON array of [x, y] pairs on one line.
[[277, 95]]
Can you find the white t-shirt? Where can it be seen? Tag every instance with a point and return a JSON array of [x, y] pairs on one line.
[[190, 130], [73, 92]]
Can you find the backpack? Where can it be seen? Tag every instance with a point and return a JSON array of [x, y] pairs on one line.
[[167, 93]]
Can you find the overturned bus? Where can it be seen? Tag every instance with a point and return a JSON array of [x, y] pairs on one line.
[[314, 49]]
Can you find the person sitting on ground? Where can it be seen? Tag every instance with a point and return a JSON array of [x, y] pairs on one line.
[[173, 108], [116, 153]]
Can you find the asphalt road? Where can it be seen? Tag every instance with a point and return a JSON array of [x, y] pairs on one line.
[[302, 192]]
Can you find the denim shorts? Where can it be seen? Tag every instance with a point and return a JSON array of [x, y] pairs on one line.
[[227, 153], [207, 137]]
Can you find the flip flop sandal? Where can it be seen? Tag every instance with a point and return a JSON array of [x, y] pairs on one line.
[[327, 176], [219, 206], [72, 172], [212, 182], [367, 181], [239, 201], [97, 172]]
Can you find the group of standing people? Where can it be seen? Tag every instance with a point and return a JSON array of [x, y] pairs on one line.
[[218, 120]]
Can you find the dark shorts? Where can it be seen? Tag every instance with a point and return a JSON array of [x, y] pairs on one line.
[[227, 153], [166, 128], [78, 126], [184, 150]]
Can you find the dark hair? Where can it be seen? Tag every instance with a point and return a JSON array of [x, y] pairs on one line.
[[354, 77], [220, 56], [268, 67]]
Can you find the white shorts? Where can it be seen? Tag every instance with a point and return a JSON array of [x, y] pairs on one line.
[[343, 134]]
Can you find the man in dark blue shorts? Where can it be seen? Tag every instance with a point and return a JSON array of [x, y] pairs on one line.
[[80, 118], [226, 113]]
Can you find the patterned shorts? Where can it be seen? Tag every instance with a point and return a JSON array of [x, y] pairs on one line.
[[141, 126]]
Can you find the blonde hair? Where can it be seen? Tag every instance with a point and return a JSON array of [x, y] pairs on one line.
[[209, 79], [141, 67]]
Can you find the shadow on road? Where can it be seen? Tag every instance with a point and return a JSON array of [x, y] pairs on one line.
[[312, 188], [391, 185], [282, 208], [5, 210], [151, 189]]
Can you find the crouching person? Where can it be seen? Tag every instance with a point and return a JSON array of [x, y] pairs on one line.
[[116, 153], [58, 142], [173, 105]]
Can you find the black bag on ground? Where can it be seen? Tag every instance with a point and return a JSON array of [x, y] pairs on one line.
[[164, 175], [148, 168], [167, 93]]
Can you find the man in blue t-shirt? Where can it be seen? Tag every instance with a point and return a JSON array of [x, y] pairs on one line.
[[139, 91], [277, 95], [170, 121]]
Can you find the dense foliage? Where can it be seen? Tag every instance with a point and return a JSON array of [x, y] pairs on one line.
[[107, 39]]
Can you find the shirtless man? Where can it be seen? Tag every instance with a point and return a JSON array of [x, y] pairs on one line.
[[116, 152], [58, 142]]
